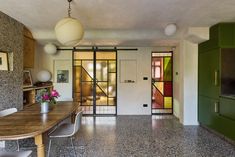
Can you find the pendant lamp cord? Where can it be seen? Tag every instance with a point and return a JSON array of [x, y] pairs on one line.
[[69, 9]]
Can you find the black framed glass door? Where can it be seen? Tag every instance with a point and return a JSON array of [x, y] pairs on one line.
[[162, 82], [95, 79]]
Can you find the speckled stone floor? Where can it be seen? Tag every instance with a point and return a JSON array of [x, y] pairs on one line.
[[142, 136]]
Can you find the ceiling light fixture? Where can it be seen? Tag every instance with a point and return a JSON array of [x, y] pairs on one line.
[[170, 29], [50, 48], [69, 31]]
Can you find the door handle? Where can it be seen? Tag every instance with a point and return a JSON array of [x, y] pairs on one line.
[[216, 107], [216, 78]]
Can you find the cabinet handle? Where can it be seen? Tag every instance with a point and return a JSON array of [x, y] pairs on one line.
[[216, 78], [216, 105]]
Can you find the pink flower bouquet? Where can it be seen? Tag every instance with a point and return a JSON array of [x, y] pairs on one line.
[[47, 96]]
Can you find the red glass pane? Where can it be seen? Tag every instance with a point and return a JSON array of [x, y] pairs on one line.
[[168, 89]]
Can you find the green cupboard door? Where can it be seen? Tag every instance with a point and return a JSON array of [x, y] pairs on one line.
[[227, 108], [206, 110], [209, 81], [224, 126]]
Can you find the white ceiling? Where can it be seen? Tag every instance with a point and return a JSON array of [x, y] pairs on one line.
[[121, 22]]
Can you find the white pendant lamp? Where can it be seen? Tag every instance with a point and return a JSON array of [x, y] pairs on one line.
[[50, 48], [170, 29], [69, 31]]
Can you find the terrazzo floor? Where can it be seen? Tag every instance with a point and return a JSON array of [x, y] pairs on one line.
[[141, 136]]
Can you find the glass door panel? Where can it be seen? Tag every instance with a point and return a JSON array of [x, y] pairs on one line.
[[162, 89], [106, 78], [83, 80], [102, 98]]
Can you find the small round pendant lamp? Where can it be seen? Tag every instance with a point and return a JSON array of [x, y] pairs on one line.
[[50, 48], [69, 31], [170, 29]]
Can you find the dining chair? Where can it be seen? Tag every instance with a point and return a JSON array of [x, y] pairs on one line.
[[66, 130], [7, 112], [16, 154]]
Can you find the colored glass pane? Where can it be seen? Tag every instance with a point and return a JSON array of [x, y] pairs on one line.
[[167, 102], [77, 63], [106, 55], [168, 89], [167, 69], [157, 98], [112, 66], [160, 86]]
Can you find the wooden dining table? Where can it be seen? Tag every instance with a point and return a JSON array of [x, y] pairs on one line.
[[29, 122]]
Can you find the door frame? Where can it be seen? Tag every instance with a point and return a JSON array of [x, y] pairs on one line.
[[172, 55], [94, 50]]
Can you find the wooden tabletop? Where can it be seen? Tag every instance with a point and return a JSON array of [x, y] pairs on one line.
[[30, 122]]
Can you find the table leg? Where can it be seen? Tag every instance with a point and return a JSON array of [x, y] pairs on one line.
[[40, 146]]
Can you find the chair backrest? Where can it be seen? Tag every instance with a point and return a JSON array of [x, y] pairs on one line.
[[78, 122], [7, 112], [16, 154]]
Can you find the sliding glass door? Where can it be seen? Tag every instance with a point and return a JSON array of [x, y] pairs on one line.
[[95, 81]]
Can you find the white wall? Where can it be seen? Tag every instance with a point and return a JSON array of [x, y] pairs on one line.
[[177, 98], [188, 83], [46, 62], [130, 96]]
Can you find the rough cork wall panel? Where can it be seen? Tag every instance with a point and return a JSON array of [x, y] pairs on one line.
[[11, 39]]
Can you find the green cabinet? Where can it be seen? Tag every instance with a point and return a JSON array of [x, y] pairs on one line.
[[207, 110], [209, 81], [216, 111], [226, 35], [227, 108]]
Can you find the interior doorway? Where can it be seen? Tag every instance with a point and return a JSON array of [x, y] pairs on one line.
[[95, 81], [162, 83]]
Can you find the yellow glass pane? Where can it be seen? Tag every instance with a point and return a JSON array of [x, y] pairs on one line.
[[168, 102], [101, 71], [83, 55], [160, 86], [105, 55], [112, 66], [77, 63], [111, 101], [87, 67]]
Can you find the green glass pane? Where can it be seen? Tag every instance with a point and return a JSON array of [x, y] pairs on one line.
[[167, 69]]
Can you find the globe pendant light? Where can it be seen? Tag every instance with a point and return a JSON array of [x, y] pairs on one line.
[[170, 29], [69, 31]]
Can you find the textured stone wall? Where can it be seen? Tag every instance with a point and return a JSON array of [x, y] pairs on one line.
[[11, 39]]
